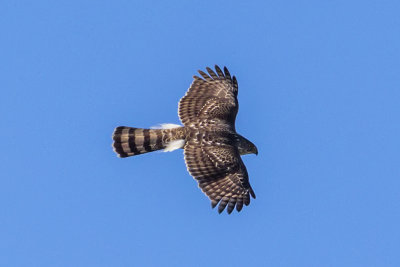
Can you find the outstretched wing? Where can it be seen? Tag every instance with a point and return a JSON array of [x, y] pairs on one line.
[[221, 174], [214, 96]]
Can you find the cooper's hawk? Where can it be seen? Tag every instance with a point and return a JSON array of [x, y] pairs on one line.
[[212, 148]]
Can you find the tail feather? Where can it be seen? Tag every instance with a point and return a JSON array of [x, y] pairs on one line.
[[130, 141]]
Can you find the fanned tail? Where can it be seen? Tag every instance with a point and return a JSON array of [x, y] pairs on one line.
[[130, 141]]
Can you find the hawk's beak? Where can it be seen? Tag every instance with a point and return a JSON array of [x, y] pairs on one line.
[[256, 152]]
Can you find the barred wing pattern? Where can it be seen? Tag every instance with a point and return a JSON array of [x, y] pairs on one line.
[[209, 109], [221, 174], [214, 96]]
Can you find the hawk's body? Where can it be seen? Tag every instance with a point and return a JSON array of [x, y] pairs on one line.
[[212, 148]]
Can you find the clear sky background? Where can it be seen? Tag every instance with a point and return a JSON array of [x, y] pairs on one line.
[[319, 94]]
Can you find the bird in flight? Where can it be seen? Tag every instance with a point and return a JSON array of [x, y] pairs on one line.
[[211, 145]]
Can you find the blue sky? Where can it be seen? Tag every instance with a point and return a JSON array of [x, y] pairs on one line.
[[319, 94]]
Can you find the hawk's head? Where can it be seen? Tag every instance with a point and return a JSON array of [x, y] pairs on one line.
[[245, 146]]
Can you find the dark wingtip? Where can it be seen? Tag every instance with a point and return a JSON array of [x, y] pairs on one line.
[[203, 74], [230, 208], [252, 193], [222, 206], [239, 206], [219, 71], [234, 80], [226, 71]]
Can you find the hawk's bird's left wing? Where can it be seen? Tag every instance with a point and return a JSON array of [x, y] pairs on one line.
[[214, 96]]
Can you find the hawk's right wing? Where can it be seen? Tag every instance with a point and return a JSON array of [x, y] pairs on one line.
[[221, 174], [212, 97]]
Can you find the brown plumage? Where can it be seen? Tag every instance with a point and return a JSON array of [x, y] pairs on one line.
[[130, 141], [212, 148]]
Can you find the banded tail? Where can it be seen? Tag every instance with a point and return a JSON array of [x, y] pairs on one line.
[[130, 141]]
